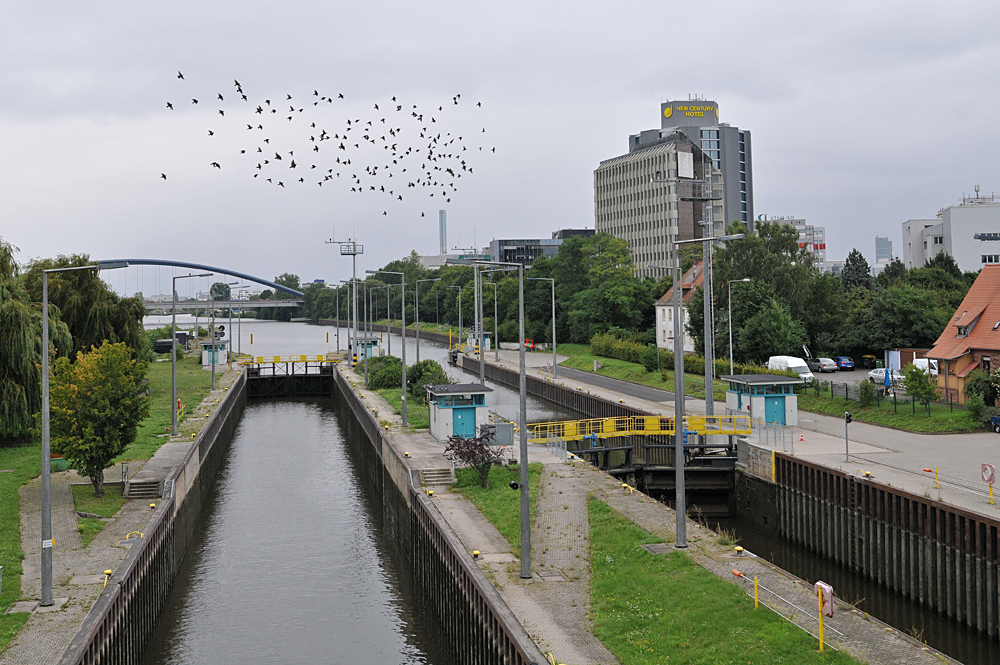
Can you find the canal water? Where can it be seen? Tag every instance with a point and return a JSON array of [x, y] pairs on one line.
[[291, 562]]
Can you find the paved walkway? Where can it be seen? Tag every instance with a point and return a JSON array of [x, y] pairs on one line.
[[554, 606], [77, 572], [893, 456]]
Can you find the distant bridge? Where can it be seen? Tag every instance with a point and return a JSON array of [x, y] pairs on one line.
[[188, 306], [212, 269]]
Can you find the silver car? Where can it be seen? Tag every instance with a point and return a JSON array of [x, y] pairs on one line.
[[877, 375]]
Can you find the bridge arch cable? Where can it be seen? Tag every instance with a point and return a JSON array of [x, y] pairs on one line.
[[203, 267]]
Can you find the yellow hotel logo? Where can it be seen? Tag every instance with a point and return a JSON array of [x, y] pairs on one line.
[[667, 112]]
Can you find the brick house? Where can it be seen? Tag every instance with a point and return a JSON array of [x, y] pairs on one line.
[[971, 340]]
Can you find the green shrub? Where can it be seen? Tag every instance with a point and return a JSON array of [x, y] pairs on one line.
[[975, 407], [384, 372], [980, 383], [423, 373], [868, 394]]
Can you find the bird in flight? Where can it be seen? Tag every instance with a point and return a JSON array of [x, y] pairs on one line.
[[170, 106], [180, 76], [194, 101], [216, 165], [163, 175]]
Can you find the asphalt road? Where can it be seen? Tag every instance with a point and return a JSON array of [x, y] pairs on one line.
[[624, 387]]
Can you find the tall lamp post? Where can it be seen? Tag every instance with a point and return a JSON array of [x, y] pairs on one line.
[[553, 280], [679, 430], [459, 311], [496, 326], [729, 286], [416, 303], [46, 431], [522, 425], [173, 349], [402, 331]]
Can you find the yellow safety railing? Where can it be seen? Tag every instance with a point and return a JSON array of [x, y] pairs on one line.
[[270, 360], [604, 428]]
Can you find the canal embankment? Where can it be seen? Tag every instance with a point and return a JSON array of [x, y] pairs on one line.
[[554, 606]]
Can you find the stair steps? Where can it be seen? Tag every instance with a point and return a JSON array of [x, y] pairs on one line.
[[437, 476], [149, 489]]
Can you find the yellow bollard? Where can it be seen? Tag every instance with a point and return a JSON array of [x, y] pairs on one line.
[[107, 576], [756, 596], [819, 607], [991, 494], [937, 483]]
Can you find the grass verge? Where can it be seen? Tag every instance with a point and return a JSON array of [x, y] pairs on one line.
[[656, 609], [941, 419], [694, 384], [89, 527], [105, 506], [500, 504], [418, 414], [193, 384], [20, 464]]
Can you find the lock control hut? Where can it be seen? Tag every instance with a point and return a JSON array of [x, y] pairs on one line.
[[457, 409]]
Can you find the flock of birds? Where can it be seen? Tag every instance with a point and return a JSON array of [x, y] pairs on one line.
[[416, 151]]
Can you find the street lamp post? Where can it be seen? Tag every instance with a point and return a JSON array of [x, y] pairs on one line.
[[729, 286], [478, 306], [496, 337], [402, 330], [46, 558], [553, 280], [679, 429], [523, 424], [416, 303], [459, 311], [173, 349]]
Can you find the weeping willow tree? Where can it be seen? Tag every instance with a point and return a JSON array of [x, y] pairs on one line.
[[21, 350], [93, 312]]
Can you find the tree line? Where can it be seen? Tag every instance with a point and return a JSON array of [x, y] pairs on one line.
[[788, 302]]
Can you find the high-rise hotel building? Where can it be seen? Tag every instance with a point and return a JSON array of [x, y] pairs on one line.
[[628, 205]]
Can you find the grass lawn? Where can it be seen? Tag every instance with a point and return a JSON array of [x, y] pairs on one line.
[[941, 419], [572, 349], [25, 463], [89, 527], [418, 414], [193, 384], [499, 503], [105, 506], [694, 384], [663, 609]]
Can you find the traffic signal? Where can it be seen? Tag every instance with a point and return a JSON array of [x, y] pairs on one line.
[[847, 417]]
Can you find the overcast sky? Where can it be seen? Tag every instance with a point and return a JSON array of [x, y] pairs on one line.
[[863, 114]]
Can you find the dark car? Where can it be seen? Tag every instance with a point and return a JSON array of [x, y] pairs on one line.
[[844, 362]]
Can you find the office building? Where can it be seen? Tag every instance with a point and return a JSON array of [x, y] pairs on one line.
[[562, 234], [654, 195], [811, 238], [968, 232], [883, 249], [728, 147], [524, 250]]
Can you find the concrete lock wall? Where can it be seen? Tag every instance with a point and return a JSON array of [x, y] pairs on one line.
[[120, 622], [474, 618], [938, 555]]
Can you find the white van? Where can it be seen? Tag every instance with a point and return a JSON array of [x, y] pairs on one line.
[[791, 363], [928, 365]]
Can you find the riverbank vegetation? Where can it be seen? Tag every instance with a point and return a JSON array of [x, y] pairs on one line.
[[18, 465]]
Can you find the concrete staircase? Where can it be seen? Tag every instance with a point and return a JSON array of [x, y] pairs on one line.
[[148, 489], [437, 476]]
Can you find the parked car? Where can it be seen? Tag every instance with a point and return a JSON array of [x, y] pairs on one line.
[[877, 375], [995, 421], [822, 364], [791, 363], [844, 362], [927, 365]]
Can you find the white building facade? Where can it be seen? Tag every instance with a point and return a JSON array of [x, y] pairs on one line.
[[691, 280], [968, 232]]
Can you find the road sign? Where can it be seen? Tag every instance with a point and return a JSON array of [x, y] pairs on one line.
[[989, 474]]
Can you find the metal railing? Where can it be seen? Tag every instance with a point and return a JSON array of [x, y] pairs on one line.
[[603, 428]]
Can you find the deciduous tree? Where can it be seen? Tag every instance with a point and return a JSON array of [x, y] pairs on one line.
[[97, 404], [477, 452]]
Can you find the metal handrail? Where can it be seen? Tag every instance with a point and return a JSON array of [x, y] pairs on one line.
[[603, 428]]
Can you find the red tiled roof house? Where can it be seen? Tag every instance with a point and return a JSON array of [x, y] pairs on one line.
[[971, 340]]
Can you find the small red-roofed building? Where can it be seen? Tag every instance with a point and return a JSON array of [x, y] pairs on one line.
[[971, 339], [691, 280]]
